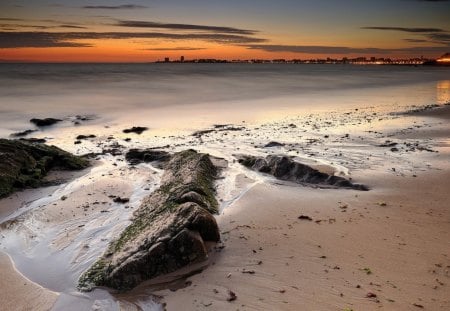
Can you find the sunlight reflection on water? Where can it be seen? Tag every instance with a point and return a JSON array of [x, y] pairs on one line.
[[443, 92]]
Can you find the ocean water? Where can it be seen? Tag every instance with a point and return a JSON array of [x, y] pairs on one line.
[[192, 96]]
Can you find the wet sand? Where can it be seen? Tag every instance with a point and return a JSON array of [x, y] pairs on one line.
[[390, 243], [19, 293]]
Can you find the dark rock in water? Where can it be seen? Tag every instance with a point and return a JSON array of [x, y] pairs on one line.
[[388, 143], [284, 168], [121, 200], [136, 129], [24, 164], [45, 122], [34, 140], [136, 156], [112, 151], [274, 144], [167, 232], [85, 136], [22, 134], [199, 134]]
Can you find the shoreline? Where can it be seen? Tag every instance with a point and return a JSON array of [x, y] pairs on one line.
[[20, 293], [249, 218]]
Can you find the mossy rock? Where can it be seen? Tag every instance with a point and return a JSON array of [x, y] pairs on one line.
[[167, 232], [24, 164]]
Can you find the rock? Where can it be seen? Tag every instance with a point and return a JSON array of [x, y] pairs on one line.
[[273, 144], [45, 122], [136, 129], [22, 134], [304, 217], [388, 143], [34, 140], [79, 137], [121, 200], [167, 232], [136, 156], [199, 134], [23, 164], [231, 296], [284, 168], [371, 295]]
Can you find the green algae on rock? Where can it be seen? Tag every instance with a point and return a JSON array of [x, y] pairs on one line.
[[167, 232], [23, 164]]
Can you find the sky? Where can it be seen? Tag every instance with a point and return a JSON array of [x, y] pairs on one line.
[[143, 31]]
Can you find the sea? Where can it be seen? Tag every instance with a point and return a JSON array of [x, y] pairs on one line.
[[186, 96]]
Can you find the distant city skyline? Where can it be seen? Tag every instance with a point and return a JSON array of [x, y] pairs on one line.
[[147, 31]]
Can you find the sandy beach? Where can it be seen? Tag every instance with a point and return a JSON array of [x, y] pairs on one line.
[[285, 246], [386, 249]]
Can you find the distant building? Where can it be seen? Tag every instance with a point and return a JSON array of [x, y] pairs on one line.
[[182, 59], [166, 60]]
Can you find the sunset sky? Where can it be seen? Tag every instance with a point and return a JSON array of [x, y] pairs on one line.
[[141, 31]]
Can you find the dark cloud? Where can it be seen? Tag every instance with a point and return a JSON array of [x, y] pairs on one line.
[[443, 38], [65, 39], [25, 26], [307, 49], [35, 40], [218, 29], [115, 7], [42, 27], [405, 29], [433, 0], [71, 26], [175, 49], [11, 19], [415, 40]]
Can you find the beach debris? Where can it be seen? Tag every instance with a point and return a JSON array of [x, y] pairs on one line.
[[231, 296], [136, 129], [45, 122], [248, 271], [371, 295], [305, 217], [285, 168], [418, 305], [382, 203], [367, 271], [274, 144]]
